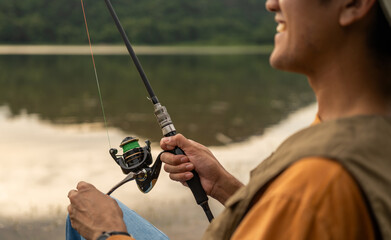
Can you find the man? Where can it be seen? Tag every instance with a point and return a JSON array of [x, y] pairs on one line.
[[329, 181]]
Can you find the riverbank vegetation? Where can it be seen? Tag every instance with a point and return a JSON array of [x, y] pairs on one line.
[[150, 22]]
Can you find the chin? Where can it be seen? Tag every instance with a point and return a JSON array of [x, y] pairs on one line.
[[277, 60], [284, 62]]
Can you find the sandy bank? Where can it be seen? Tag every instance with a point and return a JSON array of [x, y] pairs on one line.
[[121, 50]]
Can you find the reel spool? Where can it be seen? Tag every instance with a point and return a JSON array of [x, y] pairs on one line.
[[135, 161], [134, 157]]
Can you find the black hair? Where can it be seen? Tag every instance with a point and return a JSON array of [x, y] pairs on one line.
[[380, 43], [380, 35]]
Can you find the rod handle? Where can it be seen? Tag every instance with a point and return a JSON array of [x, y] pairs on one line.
[[194, 183]]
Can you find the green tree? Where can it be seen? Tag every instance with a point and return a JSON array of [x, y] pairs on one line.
[[220, 22]]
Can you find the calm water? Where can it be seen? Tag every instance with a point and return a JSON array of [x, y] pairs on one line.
[[52, 134], [211, 99]]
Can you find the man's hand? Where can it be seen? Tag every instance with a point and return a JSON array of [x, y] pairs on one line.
[[92, 212], [215, 180]]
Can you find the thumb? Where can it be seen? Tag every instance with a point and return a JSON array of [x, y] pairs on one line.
[[169, 143]]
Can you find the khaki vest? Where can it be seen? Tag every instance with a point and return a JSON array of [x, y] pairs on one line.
[[361, 144]]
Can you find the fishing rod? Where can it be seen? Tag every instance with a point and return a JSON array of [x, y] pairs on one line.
[[165, 123]]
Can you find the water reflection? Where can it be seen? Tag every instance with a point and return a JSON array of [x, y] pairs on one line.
[[212, 99]]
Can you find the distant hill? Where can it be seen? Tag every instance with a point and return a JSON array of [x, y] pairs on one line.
[[152, 22]]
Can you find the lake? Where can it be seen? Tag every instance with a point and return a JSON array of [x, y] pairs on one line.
[[53, 135], [212, 99]]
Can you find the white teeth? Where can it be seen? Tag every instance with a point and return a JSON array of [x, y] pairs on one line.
[[281, 27]]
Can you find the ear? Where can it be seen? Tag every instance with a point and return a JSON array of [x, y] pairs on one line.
[[354, 10]]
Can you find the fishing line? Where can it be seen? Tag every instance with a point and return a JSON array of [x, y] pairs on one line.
[[96, 74]]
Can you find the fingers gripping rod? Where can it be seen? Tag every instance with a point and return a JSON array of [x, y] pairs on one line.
[[163, 118]]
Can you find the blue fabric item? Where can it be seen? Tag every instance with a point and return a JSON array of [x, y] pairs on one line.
[[137, 226]]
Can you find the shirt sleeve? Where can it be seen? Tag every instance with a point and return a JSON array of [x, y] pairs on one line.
[[315, 198], [120, 237]]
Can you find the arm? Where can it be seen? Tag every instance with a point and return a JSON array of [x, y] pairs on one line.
[[216, 181]]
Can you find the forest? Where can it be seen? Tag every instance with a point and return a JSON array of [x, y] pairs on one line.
[[148, 22]]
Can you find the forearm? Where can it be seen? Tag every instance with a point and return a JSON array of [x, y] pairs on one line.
[[225, 187]]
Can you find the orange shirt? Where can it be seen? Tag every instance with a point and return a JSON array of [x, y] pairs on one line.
[[315, 198], [120, 237]]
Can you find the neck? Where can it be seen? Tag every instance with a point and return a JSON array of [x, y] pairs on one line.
[[349, 85]]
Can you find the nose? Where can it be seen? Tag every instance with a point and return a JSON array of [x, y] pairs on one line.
[[272, 5]]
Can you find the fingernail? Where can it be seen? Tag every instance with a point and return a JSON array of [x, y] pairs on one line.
[[189, 166], [184, 159], [167, 139], [188, 175]]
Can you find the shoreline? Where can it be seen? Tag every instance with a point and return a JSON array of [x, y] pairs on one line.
[[140, 50]]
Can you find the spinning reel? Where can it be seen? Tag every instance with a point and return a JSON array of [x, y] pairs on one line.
[[135, 162]]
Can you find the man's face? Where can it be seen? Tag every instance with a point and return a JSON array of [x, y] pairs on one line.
[[306, 33]]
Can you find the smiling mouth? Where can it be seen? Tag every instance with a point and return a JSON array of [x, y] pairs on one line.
[[281, 27]]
